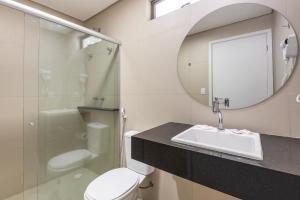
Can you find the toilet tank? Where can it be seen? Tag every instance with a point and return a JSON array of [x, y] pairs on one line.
[[98, 138], [132, 164]]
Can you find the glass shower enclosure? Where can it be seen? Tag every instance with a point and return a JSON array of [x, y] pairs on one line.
[[71, 104]]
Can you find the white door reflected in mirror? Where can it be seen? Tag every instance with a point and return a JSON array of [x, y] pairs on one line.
[[229, 58]]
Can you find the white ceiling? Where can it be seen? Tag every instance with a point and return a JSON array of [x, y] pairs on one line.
[[229, 15], [79, 9]]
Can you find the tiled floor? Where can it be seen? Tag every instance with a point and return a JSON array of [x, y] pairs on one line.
[[67, 187]]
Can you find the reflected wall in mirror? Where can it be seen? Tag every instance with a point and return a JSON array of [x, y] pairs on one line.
[[243, 52]]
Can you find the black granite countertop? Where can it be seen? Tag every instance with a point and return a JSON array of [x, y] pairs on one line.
[[277, 176]]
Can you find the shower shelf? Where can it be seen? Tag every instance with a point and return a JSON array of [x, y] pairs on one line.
[[91, 109]]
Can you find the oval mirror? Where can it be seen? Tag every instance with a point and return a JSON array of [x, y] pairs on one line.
[[243, 53]]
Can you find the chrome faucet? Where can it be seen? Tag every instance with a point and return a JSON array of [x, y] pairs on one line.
[[216, 109]]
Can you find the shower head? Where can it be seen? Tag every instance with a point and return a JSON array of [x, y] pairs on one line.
[[109, 49]]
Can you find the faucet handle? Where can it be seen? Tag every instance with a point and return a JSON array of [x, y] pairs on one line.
[[226, 102], [215, 104]]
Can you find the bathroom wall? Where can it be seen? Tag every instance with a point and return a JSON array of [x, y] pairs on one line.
[[49, 10], [11, 101], [151, 91]]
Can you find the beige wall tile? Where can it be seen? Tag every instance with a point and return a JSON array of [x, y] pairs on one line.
[[11, 52], [131, 102], [154, 109], [11, 170], [11, 146], [294, 110], [168, 186], [201, 192], [11, 70], [293, 13], [49, 10], [11, 121], [164, 108], [12, 30]]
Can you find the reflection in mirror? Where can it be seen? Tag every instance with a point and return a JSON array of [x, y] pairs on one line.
[[243, 52]]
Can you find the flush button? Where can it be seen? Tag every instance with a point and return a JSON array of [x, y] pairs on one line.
[[31, 123], [298, 98]]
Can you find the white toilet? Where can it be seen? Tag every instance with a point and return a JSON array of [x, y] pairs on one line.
[[120, 183]]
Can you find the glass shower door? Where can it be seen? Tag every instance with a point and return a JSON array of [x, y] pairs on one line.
[[75, 103]]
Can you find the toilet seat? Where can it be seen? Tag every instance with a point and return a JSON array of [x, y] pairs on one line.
[[112, 185]]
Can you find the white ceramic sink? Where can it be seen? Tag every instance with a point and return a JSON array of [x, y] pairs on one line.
[[240, 143]]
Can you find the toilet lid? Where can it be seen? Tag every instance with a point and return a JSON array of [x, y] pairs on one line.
[[69, 160], [112, 184]]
